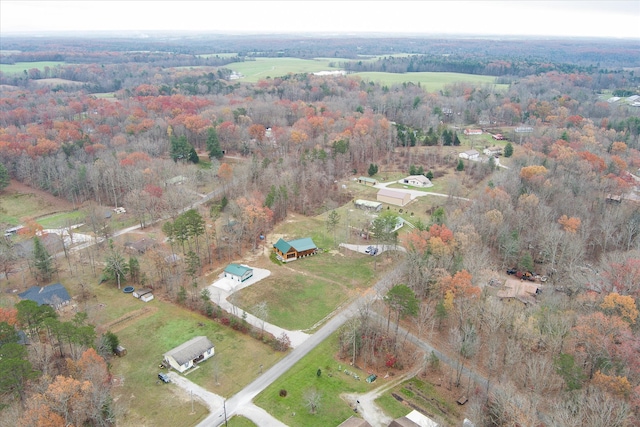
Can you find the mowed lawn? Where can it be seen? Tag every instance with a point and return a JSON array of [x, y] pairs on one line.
[[301, 293], [302, 378], [166, 326]]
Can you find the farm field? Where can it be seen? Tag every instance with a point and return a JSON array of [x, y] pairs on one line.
[[429, 81], [20, 67], [262, 68]]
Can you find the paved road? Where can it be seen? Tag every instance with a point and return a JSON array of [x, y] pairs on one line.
[[245, 396]]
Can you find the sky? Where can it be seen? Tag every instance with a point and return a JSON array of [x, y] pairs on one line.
[[615, 19]]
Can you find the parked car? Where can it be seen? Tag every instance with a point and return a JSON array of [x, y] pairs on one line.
[[374, 251], [511, 271], [368, 250], [164, 378]]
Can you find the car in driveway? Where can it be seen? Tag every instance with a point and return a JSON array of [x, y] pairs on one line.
[[374, 251], [164, 378], [368, 250]]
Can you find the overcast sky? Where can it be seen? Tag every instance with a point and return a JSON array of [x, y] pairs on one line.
[[507, 17]]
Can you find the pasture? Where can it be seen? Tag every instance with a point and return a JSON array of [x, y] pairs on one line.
[[262, 68], [21, 67], [429, 81]]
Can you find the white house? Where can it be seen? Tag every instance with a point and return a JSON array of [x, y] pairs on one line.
[[469, 132], [185, 356], [238, 272], [469, 155], [418, 181]]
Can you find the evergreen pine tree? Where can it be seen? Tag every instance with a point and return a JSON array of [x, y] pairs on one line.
[[41, 260], [213, 144]]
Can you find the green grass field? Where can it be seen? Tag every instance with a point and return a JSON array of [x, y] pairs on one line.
[[164, 327], [61, 219], [16, 207], [429, 81], [20, 67], [302, 377], [262, 68]]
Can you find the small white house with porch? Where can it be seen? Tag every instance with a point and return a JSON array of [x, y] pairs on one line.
[[187, 355]]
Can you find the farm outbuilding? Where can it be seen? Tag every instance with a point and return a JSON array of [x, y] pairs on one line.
[[238, 272], [393, 197], [367, 181], [54, 295], [192, 352], [294, 249], [470, 155], [141, 292], [368, 205]]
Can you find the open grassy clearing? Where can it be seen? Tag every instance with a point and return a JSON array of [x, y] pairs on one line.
[[16, 207], [422, 394], [295, 301], [105, 95], [262, 68], [62, 219], [218, 55], [20, 67], [430, 81], [147, 338], [302, 377]]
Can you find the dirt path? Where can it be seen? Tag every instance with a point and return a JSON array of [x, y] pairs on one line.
[[124, 321]]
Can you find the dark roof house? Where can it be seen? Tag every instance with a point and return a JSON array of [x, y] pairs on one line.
[[54, 295]]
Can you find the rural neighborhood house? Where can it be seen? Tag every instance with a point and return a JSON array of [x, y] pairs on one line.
[[54, 295], [368, 205], [294, 249], [418, 181], [185, 356]]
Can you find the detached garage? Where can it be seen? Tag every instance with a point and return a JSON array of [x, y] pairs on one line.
[[238, 273], [393, 197]]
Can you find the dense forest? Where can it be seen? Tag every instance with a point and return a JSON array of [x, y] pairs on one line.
[[301, 133]]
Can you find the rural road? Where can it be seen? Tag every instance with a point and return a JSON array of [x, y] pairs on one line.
[[417, 193], [244, 398]]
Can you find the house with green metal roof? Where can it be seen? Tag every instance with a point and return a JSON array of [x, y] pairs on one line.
[[367, 181], [294, 249], [238, 272]]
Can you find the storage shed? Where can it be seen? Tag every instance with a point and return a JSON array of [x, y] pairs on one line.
[[393, 197]]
